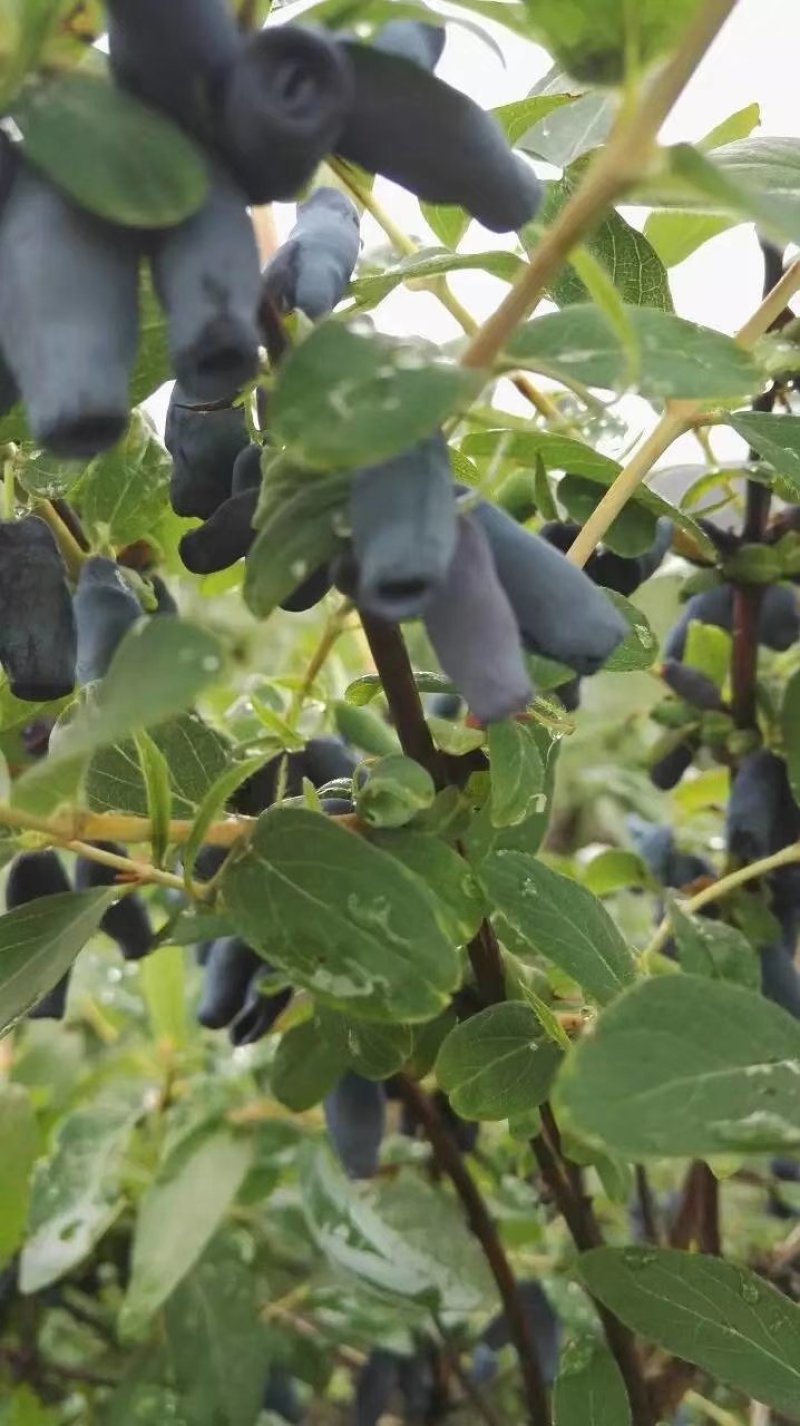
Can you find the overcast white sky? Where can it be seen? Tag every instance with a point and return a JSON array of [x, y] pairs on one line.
[[755, 59]]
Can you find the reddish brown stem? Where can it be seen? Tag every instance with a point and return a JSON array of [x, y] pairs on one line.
[[389, 652], [449, 1159], [578, 1214]]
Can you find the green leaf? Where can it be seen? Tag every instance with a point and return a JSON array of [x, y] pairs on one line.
[[460, 903], [155, 771], [349, 398], [124, 490], [676, 233], [399, 1240], [19, 1136], [448, 223], [299, 529], [561, 453], [396, 790], [614, 870], [341, 918], [777, 440], [22, 1408], [526, 447], [630, 534], [677, 359], [714, 949], [599, 42], [160, 668], [790, 725], [566, 134], [39, 942], [375, 1051], [498, 1063], [751, 179], [518, 118], [179, 1215], [196, 755], [623, 253], [364, 729], [738, 125], [368, 686], [308, 1062], [153, 363], [216, 1343], [640, 648], [683, 1066], [374, 286], [709, 649], [559, 919], [162, 977], [77, 1190], [590, 1390], [517, 774], [115, 156], [724, 1318]]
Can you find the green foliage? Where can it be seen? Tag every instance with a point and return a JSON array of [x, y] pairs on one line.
[[627, 1088], [175, 1232], [710, 1312]]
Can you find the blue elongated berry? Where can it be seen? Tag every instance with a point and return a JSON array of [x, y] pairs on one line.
[[414, 40], [285, 100], [38, 640], [355, 1113], [376, 1383], [9, 391], [780, 980], [69, 316], [433, 140], [224, 538], [176, 56], [778, 624], [128, 921], [761, 816], [204, 445], [403, 521], [560, 612], [311, 271], [53, 1005], [474, 633], [309, 593], [667, 772], [207, 277], [32, 876], [105, 609], [229, 969], [543, 1325], [259, 1011], [165, 602], [281, 1396], [327, 759], [691, 685], [669, 865], [247, 470]]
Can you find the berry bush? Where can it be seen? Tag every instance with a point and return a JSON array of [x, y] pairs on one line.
[[400, 761]]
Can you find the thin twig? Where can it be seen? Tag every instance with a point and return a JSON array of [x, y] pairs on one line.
[[483, 1408], [647, 1207], [579, 1217], [619, 165], [676, 420], [394, 669], [787, 856], [450, 1162]]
